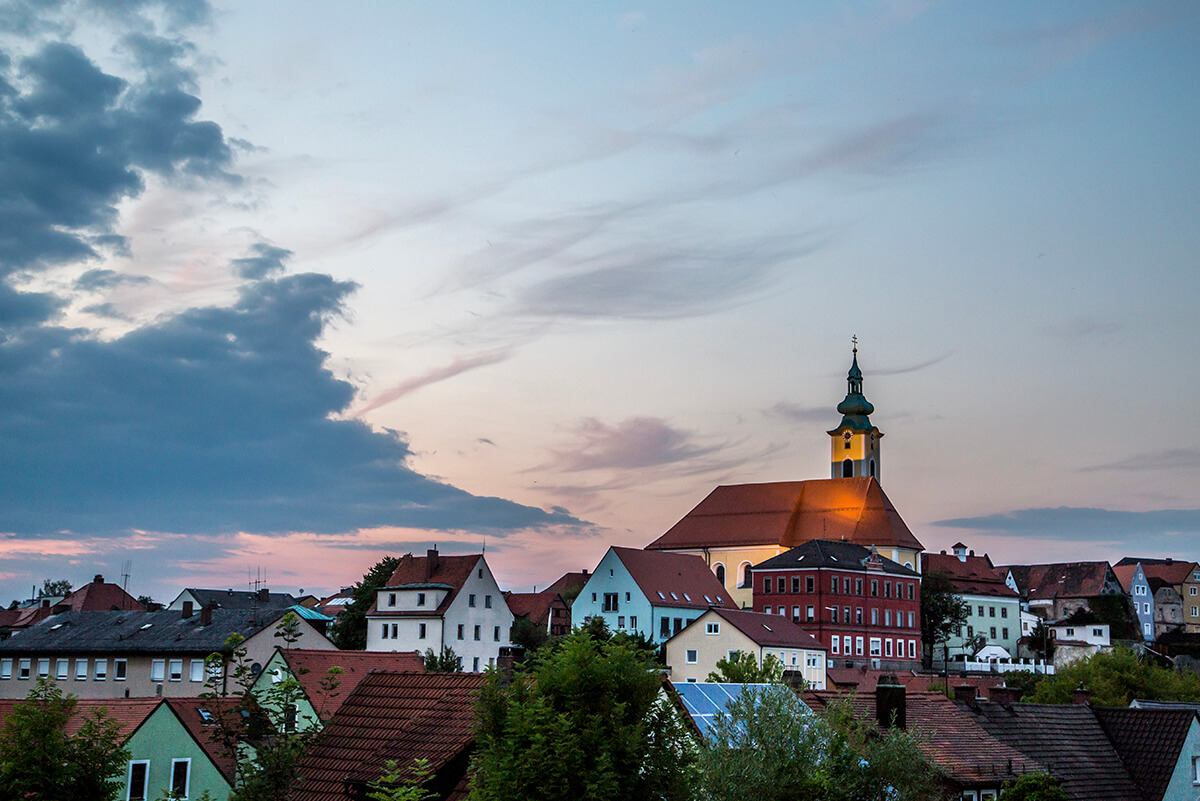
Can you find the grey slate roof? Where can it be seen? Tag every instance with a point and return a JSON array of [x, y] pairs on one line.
[[1069, 741], [831, 554], [1149, 742], [242, 599], [137, 632]]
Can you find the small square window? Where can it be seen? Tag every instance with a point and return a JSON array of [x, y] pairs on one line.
[[691, 656], [176, 670], [471, 599], [420, 599], [712, 628]]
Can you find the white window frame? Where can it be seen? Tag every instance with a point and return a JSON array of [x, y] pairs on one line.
[[712, 628], [120, 669], [6, 669], [858, 646], [61, 669], [129, 796], [100, 670], [834, 644], [43, 667], [196, 670], [24, 669], [187, 779], [887, 647], [158, 669], [876, 646], [691, 656], [81, 670], [175, 670]]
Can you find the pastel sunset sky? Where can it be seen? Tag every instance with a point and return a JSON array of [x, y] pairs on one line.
[[285, 287]]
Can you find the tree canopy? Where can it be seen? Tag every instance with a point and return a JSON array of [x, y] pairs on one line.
[[39, 760], [583, 719], [943, 611], [769, 746], [1035, 787], [1116, 677], [743, 668], [55, 588], [350, 631]]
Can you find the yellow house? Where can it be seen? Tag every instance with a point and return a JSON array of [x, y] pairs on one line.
[[718, 634], [742, 525]]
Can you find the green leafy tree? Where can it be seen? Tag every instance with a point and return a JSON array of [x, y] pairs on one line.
[[401, 784], [528, 635], [1040, 641], [584, 720], [445, 662], [1116, 677], [768, 746], [742, 668], [943, 612], [1034, 787], [55, 589], [289, 629], [38, 759], [350, 631]]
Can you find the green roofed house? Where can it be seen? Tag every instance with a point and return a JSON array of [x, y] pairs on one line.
[[325, 678]]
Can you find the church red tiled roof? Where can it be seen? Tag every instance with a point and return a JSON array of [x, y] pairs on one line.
[[789, 513]]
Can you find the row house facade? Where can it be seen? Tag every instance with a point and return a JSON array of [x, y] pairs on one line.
[[993, 605], [1137, 574], [864, 608]]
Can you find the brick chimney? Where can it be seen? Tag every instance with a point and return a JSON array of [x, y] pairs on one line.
[[206, 613], [510, 656], [1080, 696], [99, 579], [1004, 696], [890, 705], [431, 562], [187, 609], [965, 694], [263, 595]]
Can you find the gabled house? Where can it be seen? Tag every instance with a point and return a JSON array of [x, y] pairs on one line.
[[720, 633], [395, 716], [326, 678], [137, 654], [1076, 641], [993, 607], [863, 607], [435, 601], [1160, 748], [172, 751], [974, 764], [1183, 575], [652, 593], [1054, 591], [547, 610], [1137, 587]]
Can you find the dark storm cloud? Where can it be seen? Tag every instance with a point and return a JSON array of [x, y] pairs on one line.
[[213, 420], [1087, 525], [267, 260], [74, 142], [100, 279]]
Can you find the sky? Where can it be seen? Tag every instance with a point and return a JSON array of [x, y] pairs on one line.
[[287, 287]]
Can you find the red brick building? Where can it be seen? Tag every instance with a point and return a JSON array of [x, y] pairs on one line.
[[864, 608]]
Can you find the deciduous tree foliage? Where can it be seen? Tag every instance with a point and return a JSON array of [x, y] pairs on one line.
[[1035, 787], [743, 668], [583, 720], [1115, 678], [770, 746], [38, 759], [942, 612], [350, 631]]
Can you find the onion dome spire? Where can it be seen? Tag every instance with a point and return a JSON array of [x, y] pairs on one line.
[[855, 407]]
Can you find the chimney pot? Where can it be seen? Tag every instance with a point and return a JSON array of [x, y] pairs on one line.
[[890, 702], [1080, 696], [206, 613], [965, 693], [99, 579], [264, 595], [1004, 696], [431, 562], [187, 609]]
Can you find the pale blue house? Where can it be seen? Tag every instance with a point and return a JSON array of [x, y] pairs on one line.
[[654, 593], [1137, 586]]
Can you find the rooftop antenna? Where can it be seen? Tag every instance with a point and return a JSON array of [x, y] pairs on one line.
[[126, 566]]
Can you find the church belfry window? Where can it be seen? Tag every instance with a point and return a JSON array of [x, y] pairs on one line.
[[847, 469]]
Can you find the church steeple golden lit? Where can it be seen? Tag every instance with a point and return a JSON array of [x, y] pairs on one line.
[[855, 443]]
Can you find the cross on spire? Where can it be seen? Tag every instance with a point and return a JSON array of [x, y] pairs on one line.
[[854, 341]]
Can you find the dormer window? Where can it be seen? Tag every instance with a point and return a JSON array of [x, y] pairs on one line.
[[420, 599], [391, 599]]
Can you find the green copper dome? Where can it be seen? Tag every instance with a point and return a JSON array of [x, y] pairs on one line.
[[855, 407]]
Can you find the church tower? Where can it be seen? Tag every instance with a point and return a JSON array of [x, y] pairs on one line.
[[855, 443]]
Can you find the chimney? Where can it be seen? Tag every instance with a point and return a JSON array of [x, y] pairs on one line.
[[99, 579], [263, 595], [431, 562], [890, 702], [972, 552], [206, 613], [510, 656], [585, 571], [45, 603], [187, 609], [1080, 696], [965, 694], [1004, 696]]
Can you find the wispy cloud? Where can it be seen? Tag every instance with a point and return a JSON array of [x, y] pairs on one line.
[[912, 368], [1090, 525], [804, 414], [1170, 459], [438, 374], [633, 443]]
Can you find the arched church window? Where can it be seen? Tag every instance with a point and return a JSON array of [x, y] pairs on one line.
[[847, 469], [719, 569], [742, 568], [872, 468]]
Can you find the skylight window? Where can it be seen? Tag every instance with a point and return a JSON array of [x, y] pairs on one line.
[[205, 715], [56, 627], [674, 597], [145, 626], [765, 626], [660, 595], [687, 598], [707, 599]]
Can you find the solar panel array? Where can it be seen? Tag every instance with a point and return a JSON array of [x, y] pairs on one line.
[[704, 700]]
